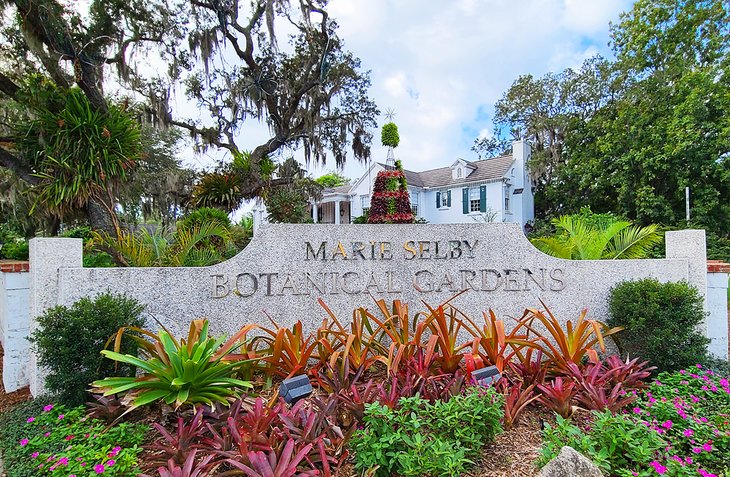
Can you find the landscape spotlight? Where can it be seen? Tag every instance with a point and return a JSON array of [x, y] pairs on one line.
[[295, 388], [486, 376]]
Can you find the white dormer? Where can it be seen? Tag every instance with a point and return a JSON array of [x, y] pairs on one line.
[[461, 169]]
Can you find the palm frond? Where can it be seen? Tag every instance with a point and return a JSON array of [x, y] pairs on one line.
[[633, 242]]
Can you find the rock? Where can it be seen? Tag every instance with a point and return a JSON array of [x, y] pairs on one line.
[[570, 463]]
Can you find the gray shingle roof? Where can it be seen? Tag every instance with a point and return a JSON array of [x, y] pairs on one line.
[[484, 170]]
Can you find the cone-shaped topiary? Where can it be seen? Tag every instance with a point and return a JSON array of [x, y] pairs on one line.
[[389, 135], [391, 203]]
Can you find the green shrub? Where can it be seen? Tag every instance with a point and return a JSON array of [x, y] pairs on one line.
[[389, 135], [15, 250], [419, 438], [613, 442], [98, 260], [69, 340], [48, 440], [202, 216], [660, 321]]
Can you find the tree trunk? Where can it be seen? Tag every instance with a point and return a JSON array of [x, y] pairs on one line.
[[99, 218]]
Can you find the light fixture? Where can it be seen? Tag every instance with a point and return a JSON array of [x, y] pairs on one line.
[[295, 388], [486, 376]]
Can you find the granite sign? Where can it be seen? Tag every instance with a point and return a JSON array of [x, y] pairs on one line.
[[287, 268]]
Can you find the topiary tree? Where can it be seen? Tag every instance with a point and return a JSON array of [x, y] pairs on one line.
[[389, 135], [391, 203], [660, 321]]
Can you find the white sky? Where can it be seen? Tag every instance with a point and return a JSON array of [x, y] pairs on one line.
[[442, 65]]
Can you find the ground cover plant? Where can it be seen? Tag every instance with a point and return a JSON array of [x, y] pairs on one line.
[[418, 437], [53, 440], [678, 426]]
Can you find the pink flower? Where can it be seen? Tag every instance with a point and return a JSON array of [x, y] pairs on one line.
[[688, 432], [707, 446], [30, 419], [46, 434], [704, 473], [697, 450], [48, 408], [99, 468], [660, 469], [110, 463], [61, 416], [667, 424], [23, 442], [34, 455], [63, 461], [68, 438], [637, 410]]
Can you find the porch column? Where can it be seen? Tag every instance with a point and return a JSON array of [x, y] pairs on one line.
[[337, 212], [315, 212]]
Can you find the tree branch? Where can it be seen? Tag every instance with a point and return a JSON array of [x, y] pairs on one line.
[[7, 86], [13, 163], [198, 132]]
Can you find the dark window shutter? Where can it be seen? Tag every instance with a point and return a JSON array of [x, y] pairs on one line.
[[438, 199], [482, 198], [465, 200], [448, 198]]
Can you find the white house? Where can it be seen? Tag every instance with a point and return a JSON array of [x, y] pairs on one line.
[[498, 189]]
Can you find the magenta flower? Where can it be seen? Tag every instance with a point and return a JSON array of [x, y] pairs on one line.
[[34, 455], [707, 446], [667, 424], [46, 434], [48, 408], [704, 473], [110, 463], [99, 468], [30, 419], [660, 469], [697, 450], [61, 416], [637, 410], [63, 461], [23, 442], [68, 438], [688, 432]]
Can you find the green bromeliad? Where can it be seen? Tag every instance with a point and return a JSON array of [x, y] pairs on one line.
[[191, 372]]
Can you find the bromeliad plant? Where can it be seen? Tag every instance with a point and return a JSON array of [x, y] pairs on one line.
[[181, 372], [569, 345]]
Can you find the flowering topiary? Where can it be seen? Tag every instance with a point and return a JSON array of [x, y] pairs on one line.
[[391, 203]]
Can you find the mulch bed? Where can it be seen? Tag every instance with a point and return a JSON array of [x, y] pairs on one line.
[[8, 400], [514, 452]]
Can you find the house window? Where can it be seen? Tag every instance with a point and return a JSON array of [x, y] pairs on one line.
[[443, 199], [506, 199], [458, 173], [365, 204], [414, 203], [474, 202]]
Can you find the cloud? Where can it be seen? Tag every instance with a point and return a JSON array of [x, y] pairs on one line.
[[442, 65]]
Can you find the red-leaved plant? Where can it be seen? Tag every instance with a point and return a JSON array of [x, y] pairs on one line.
[[516, 401], [557, 396]]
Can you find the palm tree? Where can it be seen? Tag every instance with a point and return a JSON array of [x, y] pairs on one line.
[[185, 248], [580, 239]]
